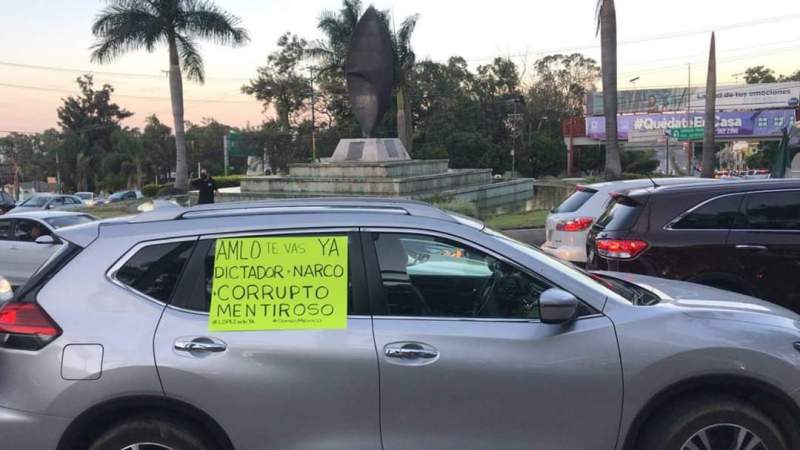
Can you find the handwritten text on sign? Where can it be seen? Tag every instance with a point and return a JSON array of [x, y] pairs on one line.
[[279, 283]]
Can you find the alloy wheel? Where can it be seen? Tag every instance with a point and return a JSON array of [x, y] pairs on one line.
[[724, 437]]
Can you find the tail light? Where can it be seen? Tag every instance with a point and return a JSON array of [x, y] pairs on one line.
[[620, 248], [26, 326], [576, 224]]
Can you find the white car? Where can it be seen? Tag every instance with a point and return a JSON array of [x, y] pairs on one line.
[[88, 198], [28, 239], [568, 225], [46, 202]]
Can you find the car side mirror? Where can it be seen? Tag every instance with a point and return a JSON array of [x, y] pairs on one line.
[[46, 240], [557, 306]]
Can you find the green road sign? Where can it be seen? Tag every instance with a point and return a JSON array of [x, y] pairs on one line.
[[687, 134], [234, 144]]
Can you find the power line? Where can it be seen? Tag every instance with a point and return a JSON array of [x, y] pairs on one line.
[[658, 37], [140, 97], [101, 72]]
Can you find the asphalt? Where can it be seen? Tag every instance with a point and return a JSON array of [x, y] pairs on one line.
[[533, 236]]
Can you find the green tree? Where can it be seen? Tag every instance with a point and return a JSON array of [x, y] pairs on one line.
[[131, 155], [127, 25], [606, 15], [158, 144], [279, 83], [87, 122], [759, 74]]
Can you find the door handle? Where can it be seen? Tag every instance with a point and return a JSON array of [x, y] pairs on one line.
[[200, 345], [410, 351], [755, 248]]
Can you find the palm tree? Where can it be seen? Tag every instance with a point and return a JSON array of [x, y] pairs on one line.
[[709, 146], [405, 58], [126, 25], [337, 26], [606, 15]]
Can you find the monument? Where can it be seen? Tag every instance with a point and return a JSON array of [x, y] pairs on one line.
[[370, 166]]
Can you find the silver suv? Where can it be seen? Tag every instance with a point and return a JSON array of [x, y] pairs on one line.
[[358, 324]]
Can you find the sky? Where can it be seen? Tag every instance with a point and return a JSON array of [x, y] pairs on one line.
[[658, 43]]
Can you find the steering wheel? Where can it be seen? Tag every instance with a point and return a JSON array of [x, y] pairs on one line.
[[487, 290]]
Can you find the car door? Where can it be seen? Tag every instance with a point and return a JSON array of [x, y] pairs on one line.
[[767, 246], [465, 364], [26, 254], [8, 267], [293, 389]]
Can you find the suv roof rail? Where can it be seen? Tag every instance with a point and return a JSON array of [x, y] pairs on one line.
[[294, 206]]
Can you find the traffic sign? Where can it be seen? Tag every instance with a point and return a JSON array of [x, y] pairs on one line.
[[687, 134]]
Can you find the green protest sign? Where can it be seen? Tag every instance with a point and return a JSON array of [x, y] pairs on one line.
[[687, 134], [279, 283]]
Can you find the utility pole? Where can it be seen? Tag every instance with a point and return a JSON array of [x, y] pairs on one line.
[[313, 118], [225, 151]]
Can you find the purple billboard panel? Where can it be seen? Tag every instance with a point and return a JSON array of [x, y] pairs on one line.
[[737, 124]]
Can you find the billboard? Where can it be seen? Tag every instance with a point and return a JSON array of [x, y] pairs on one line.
[[749, 96], [731, 124]]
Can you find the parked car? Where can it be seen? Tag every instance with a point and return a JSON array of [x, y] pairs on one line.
[[28, 239], [568, 225], [44, 202], [443, 334], [742, 236], [87, 198], [7, 202], [122, 196]]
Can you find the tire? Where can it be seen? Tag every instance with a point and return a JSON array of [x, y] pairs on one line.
[[165, 432], [720, 417]]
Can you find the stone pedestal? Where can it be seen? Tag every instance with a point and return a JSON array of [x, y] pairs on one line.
[[370, 150]]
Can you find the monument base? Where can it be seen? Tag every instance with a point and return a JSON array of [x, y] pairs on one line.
[[369, 150]]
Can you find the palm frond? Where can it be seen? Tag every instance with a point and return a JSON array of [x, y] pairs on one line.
[[191, 60], [205, 20], [123, 26]]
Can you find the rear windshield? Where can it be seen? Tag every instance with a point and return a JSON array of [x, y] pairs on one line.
[[576, 200], [68, 221], [618, 217], [36, 201]]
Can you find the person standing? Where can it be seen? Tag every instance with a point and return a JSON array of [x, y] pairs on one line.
[[206, 188]]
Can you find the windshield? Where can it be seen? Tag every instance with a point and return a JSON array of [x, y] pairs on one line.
[[36, 201], [117, 195], [84, 195], [576, 200], [68, 221], [623, 289]]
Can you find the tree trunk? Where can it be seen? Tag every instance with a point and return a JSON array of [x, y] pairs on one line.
[[608, 40], [709, 146], [403, 122], [176, 94]]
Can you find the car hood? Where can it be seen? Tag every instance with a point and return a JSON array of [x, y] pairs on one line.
[[708, 302]]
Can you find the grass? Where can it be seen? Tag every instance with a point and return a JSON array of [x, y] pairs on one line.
[[531, 219]]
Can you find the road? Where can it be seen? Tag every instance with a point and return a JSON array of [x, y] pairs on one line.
[[535, 236]]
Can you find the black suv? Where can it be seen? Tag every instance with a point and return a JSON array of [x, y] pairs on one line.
[[742, 236]]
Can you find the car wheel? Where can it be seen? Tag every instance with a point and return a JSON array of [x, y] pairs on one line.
[[712, 423], [152, 433]]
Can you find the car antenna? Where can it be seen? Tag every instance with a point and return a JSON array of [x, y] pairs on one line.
[[655, 185]]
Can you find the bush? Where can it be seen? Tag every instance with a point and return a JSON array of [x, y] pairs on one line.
[[229, 181], [151, 190]]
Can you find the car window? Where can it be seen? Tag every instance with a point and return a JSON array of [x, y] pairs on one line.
[[195, 290], [576, 200], [619, 216], [68, 221], [155, 270], [425, 276], [773, 211], [5, 230], [29, 230], [35, 202], [719, 214], [70, 201], [58, 201]]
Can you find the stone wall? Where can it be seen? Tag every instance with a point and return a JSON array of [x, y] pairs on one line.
[[393, 169]]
